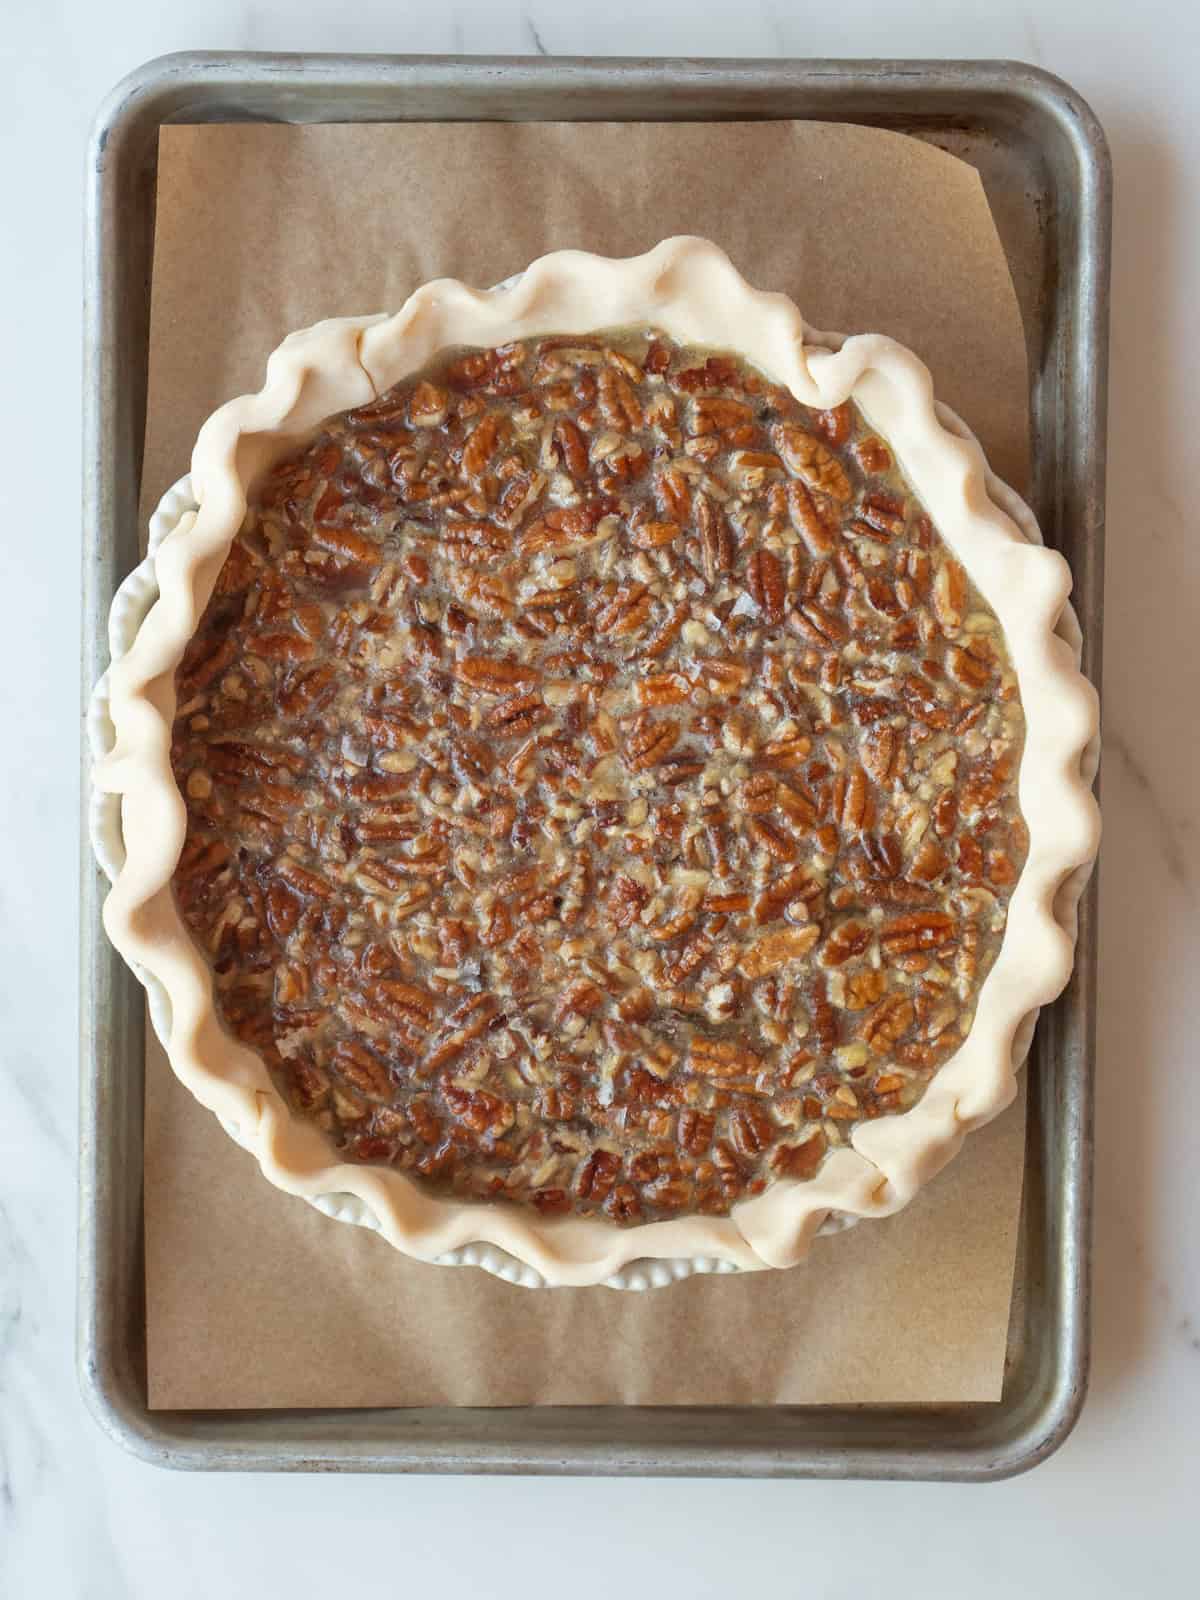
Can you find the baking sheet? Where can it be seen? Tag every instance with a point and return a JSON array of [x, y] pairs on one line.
[[252, 1298]]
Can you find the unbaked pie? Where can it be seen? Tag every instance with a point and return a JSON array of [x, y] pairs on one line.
[[627, 766]]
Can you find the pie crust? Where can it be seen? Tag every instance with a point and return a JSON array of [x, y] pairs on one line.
[[690, 290]]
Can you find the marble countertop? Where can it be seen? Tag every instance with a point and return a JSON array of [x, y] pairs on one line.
[[80, 1519]]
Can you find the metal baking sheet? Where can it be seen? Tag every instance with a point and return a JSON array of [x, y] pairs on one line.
[[1045, 166]]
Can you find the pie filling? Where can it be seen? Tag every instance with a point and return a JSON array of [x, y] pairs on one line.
[[600, 780]]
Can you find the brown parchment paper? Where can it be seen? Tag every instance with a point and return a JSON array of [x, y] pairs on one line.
[[253, 1298]]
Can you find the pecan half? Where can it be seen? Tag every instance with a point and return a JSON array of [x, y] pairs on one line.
[[648, 742], [806, 457], [765, 584], [776, 950], [716, 541]]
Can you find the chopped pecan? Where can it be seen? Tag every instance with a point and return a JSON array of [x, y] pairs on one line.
[[713, 415], [351, 1060], [883, 597], [873, 456], [474, 543], [343, 542], [717, 372], [618, 400], [648, 741], [789, 750], [427, 406], [281, 646], [572, 451], [765, 584], [309, 884], [823, 628], [883, 514], [777, 844], [626, 901], [922, 930], [796, 886], [483, 1113], [808, 521], [493, 676], [692, 957], [968, 669], [716, 541], [665, 689], [799, 1160], [836, 425], [923, 705], [667, 631], [847, 940], [626, 611], [718, 1058], [597, 1176], [517, 714], [623, 1204], [945, 814], [696, 1131], [758, 794], [673, 495], [855, 806], [753, 1130], [950, 594], [878, 750], [929, 862], [775, 950], [464, 1024], [888, 1023], [655, 535], [806, 457], [863, 988]]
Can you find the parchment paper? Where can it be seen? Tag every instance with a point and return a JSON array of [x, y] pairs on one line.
[[253, 1298]]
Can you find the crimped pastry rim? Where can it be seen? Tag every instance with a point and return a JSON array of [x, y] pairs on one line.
[[689, 288]]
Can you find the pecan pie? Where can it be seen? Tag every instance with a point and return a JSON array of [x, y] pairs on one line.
[[601, 772], [601, 779]]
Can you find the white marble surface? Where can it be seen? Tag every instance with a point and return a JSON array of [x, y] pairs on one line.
[[1114, 1512]]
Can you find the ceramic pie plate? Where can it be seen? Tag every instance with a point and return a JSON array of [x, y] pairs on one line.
[[691, 290]]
